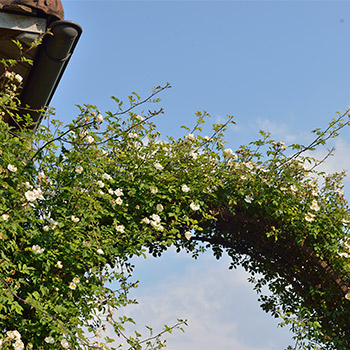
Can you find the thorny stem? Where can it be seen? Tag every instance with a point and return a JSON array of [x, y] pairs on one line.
[[322, 137], [155, 92]]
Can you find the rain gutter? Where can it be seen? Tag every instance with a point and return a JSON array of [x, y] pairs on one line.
[[49, 65]]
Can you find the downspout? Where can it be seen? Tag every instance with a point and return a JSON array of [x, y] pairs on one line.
[[49, 65]]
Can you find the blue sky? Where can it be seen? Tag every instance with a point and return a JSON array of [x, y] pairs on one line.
[[281, 66]]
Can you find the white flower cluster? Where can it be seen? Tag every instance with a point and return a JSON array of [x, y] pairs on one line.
[[53, 225], [280, 145], [315, 207], [154, 221], [33, 195], [107, 177], [158, 166], [228, 153], [12, 75], [117, 192], [73, 284], [10, 337], [193, 155]]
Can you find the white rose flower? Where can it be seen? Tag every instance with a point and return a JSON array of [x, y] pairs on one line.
[[49, 340], [98, 333], [185, 188], [249, 165], [79, 169], [282, 145], [309, 217], [157, 226], [194, 206], [119, 201], [228, 153], [53, 223], [120, 228], [347, 296], [248, 199], [158, 166], [188, 235], [293, 188], [111, 192], [145, 220], [193, 155], [154, 190], [72, 286], [100, 184], [12, 168], [159, 207], [5, 217], [314, 206], [76, 280], [74, 219], [345, 222], [8, 75], [99, 118], [46, 228], [155, 218], [119, 192], [106, 177], [19, 78], [37, 249], [190, 137], [28, 185], [90, 139], [59, 264], [33, 195], [13, 335], [100, 251], [18, 345], [140, 118], [65, 343]]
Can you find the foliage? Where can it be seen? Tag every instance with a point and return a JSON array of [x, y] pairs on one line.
[[77, 201]]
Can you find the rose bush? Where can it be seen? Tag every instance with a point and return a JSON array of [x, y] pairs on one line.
[[77, 201]]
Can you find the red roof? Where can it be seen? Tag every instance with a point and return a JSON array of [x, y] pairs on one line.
[[47, 8]]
